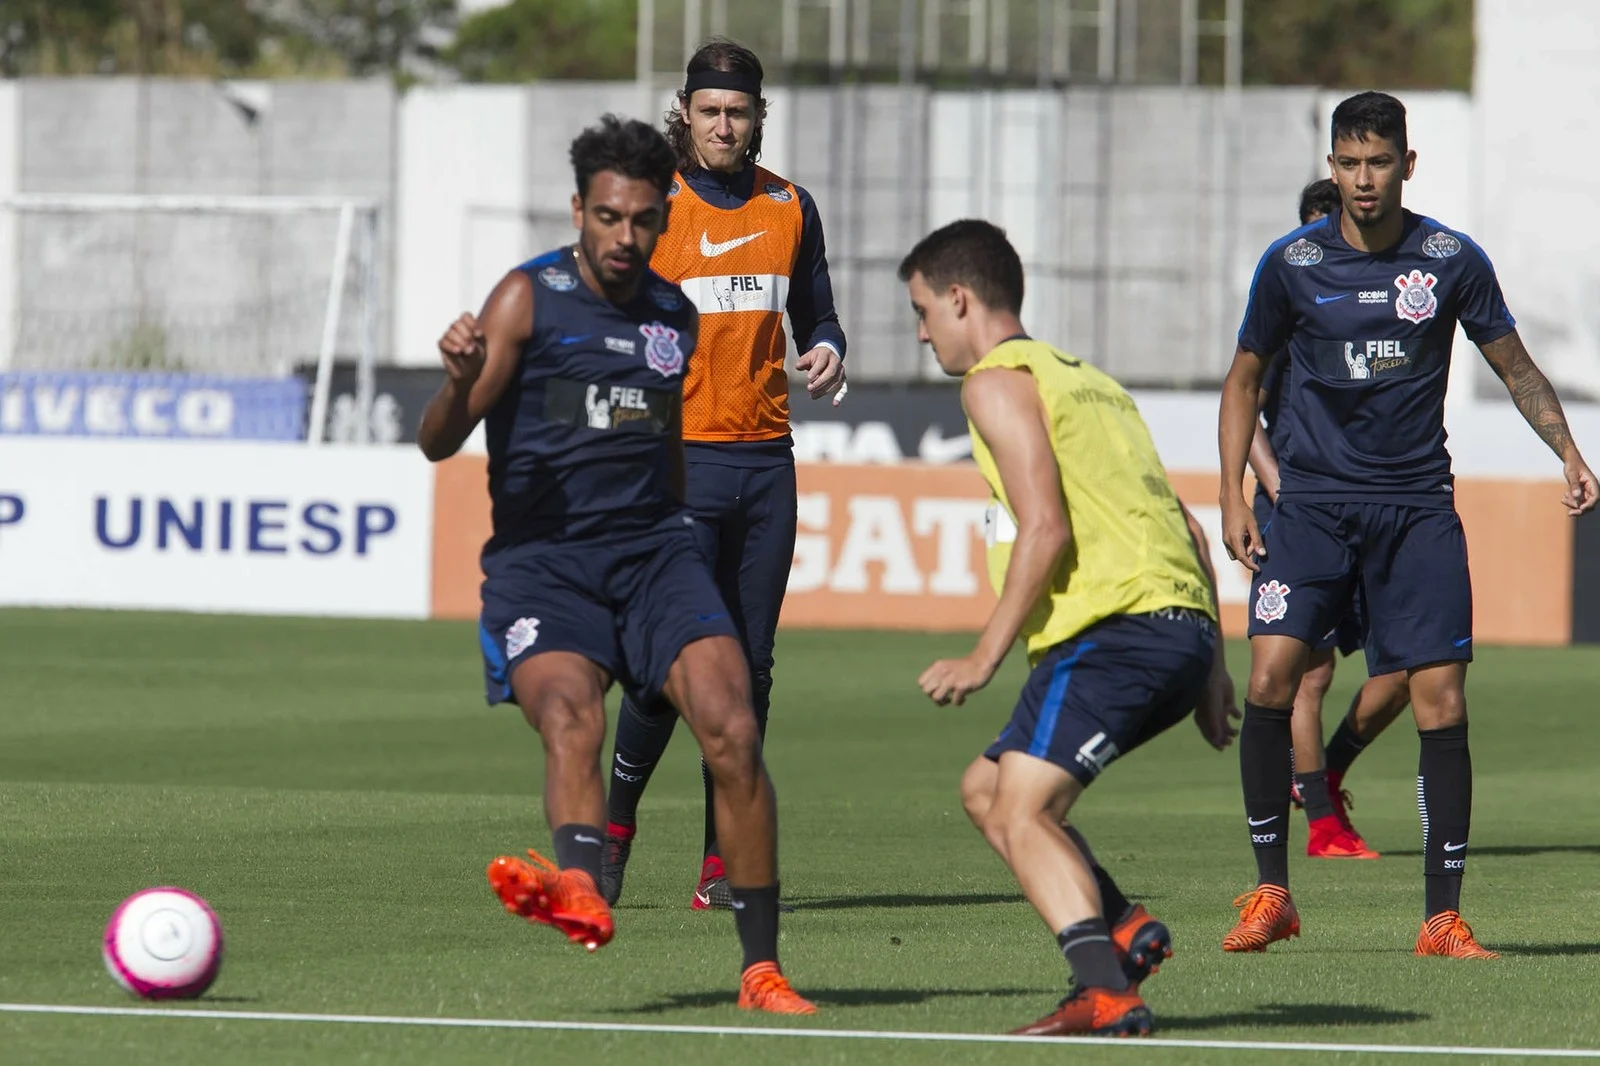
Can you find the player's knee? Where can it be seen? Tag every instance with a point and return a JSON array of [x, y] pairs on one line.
[[977, 792], [1440, 708], [568, 723], [1271, 686], [1316, 681], [731, 745]]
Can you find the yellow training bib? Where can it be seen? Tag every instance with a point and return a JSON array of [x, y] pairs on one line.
[[1131, 552]]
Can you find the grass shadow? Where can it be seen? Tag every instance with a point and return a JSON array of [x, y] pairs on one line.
[[832, 997], [1291, 1015], [1551, 950], [893, 900]]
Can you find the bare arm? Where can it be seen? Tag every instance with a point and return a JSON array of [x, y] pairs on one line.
[[1202, 547], [1236, 426], [480, 356], [1534, 396], [1217, 707], [1005, 408], [1263, 460]]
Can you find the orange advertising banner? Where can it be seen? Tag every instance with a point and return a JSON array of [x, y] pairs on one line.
[[901, 547]]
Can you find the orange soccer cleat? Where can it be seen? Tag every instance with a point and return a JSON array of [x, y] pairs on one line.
[[1450, 937], [764, 988], [1265, 914], [1142, 943], [1094, 1011], [566, 899]]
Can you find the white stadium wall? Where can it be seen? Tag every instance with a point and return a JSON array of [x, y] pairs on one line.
[[1536, 170]]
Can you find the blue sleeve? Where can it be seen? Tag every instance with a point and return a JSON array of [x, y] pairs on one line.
[[1268, 316], [812, 315], [1480, 306]]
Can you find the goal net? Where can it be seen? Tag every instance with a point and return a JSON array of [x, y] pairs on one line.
[[236, 287]]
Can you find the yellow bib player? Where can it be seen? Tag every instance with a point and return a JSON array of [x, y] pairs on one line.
[[1103, 574]]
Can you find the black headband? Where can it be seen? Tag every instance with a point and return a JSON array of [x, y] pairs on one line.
[[723, 79]]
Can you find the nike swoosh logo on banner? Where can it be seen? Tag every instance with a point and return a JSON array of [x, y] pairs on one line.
[[711, 251], [935, 447]]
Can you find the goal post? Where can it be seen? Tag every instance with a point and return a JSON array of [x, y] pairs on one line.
[[227, 286]]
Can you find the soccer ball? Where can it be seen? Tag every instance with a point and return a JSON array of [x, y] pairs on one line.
[[163, 943]]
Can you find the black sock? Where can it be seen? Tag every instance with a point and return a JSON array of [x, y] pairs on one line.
[[641, 741], [578, 848], [755, 913], [1114, 906], [1314, 793], [1264, 746], [1444, 800], [711, 810], [1345, 745], [1087, 946]]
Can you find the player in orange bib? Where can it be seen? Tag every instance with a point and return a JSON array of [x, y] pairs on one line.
[[746, 246]]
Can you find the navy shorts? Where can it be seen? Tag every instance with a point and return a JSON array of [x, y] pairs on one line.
[[1408, 564], [1109, 689], [629, 604], [1350, 632]]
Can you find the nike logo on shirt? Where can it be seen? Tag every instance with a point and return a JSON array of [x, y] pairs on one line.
[[711, 251], [1321, 299]]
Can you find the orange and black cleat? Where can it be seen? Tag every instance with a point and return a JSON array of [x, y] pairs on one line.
[[1447, 935], [763, 987], [1142, 943], [541, 892], [1265, 914], [1094, 1012]]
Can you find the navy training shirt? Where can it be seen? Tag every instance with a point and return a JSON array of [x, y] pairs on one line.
[[582, 441], [1369, 339]]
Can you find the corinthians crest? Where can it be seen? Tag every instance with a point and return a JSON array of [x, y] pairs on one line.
[[1272, 601], [1416, 302], [661, 351]]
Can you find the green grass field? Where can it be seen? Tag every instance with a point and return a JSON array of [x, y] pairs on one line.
[[335, 790]]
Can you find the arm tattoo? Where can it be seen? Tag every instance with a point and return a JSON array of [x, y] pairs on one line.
[[1530, 391]]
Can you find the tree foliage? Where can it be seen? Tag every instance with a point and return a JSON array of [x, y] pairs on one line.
[[1351, 44], [217, 38], [1401, 44], [529, 40]]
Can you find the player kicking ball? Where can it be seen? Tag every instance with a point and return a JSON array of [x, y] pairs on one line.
[[1366, 302], [1099, 571], [576, 365]]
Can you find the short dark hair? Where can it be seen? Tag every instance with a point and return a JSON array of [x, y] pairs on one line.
[[628, 147], [1371, 114], [728, 57], [973, 253], [1321, 197]]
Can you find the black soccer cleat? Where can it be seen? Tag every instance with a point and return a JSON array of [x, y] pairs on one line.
[[613, 861], [1142, 944]]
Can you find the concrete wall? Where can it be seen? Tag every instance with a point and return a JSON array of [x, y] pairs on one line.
[[188, 291]]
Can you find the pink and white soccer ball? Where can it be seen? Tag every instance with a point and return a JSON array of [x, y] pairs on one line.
[[163, 943]]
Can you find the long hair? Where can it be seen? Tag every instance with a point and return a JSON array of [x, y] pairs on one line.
[[723, 55]]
